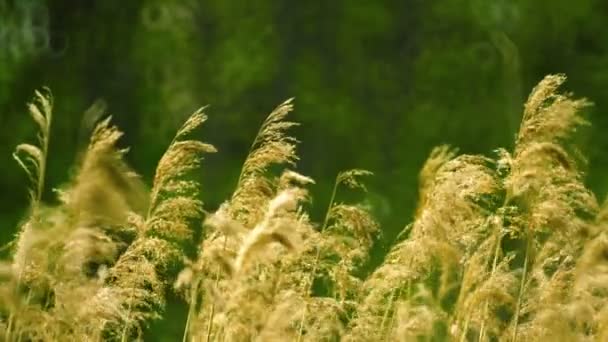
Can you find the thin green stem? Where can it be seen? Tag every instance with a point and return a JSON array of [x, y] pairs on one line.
[[191, 308], [123, 337], [389, 311], [45, 148], [330, 205], [482, 330], [521, 288], [212, 314], [210, 323], [254, 144], [391, 324]]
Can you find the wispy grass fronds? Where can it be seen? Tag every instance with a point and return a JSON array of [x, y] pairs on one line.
[[271, 146], [228, 247], [270, 229], [504, 248], [181, 157], [105, 189], [545, 185], [426, 177], [150, 263], [450, 221], [63, 253], [32, 158], [340, 249], [549, 116], [251, 258]]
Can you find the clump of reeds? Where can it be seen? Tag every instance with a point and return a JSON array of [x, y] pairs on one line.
[[108, 243], [260, 255], [509, 247], [493, 249]]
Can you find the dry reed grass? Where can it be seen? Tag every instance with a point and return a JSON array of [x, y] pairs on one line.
[[505, 248]]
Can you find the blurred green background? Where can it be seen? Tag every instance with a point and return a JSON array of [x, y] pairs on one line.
[[377, 83]]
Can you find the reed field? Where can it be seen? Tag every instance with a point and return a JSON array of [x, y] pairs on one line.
[[504, 247]]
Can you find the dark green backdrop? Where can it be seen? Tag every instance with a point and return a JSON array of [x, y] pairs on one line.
[[377, 83]]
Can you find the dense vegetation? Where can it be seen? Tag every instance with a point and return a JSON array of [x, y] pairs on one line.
[[508, 247]]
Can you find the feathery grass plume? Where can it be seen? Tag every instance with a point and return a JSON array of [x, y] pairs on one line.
[[349, 239], [549, 116], [462, 199], [350, 178], [140, 276], [426, 177], [246, 208], [62, 255], [545, 209], [136, 283], [395, 274], [586, 310], [271, 146], [545, 185], [487, 286], [32, 158], [103, 192], [106, 190], [269, 230], [173, 199], [341, 247], [349, 229], [240, 303], [450, 223]]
